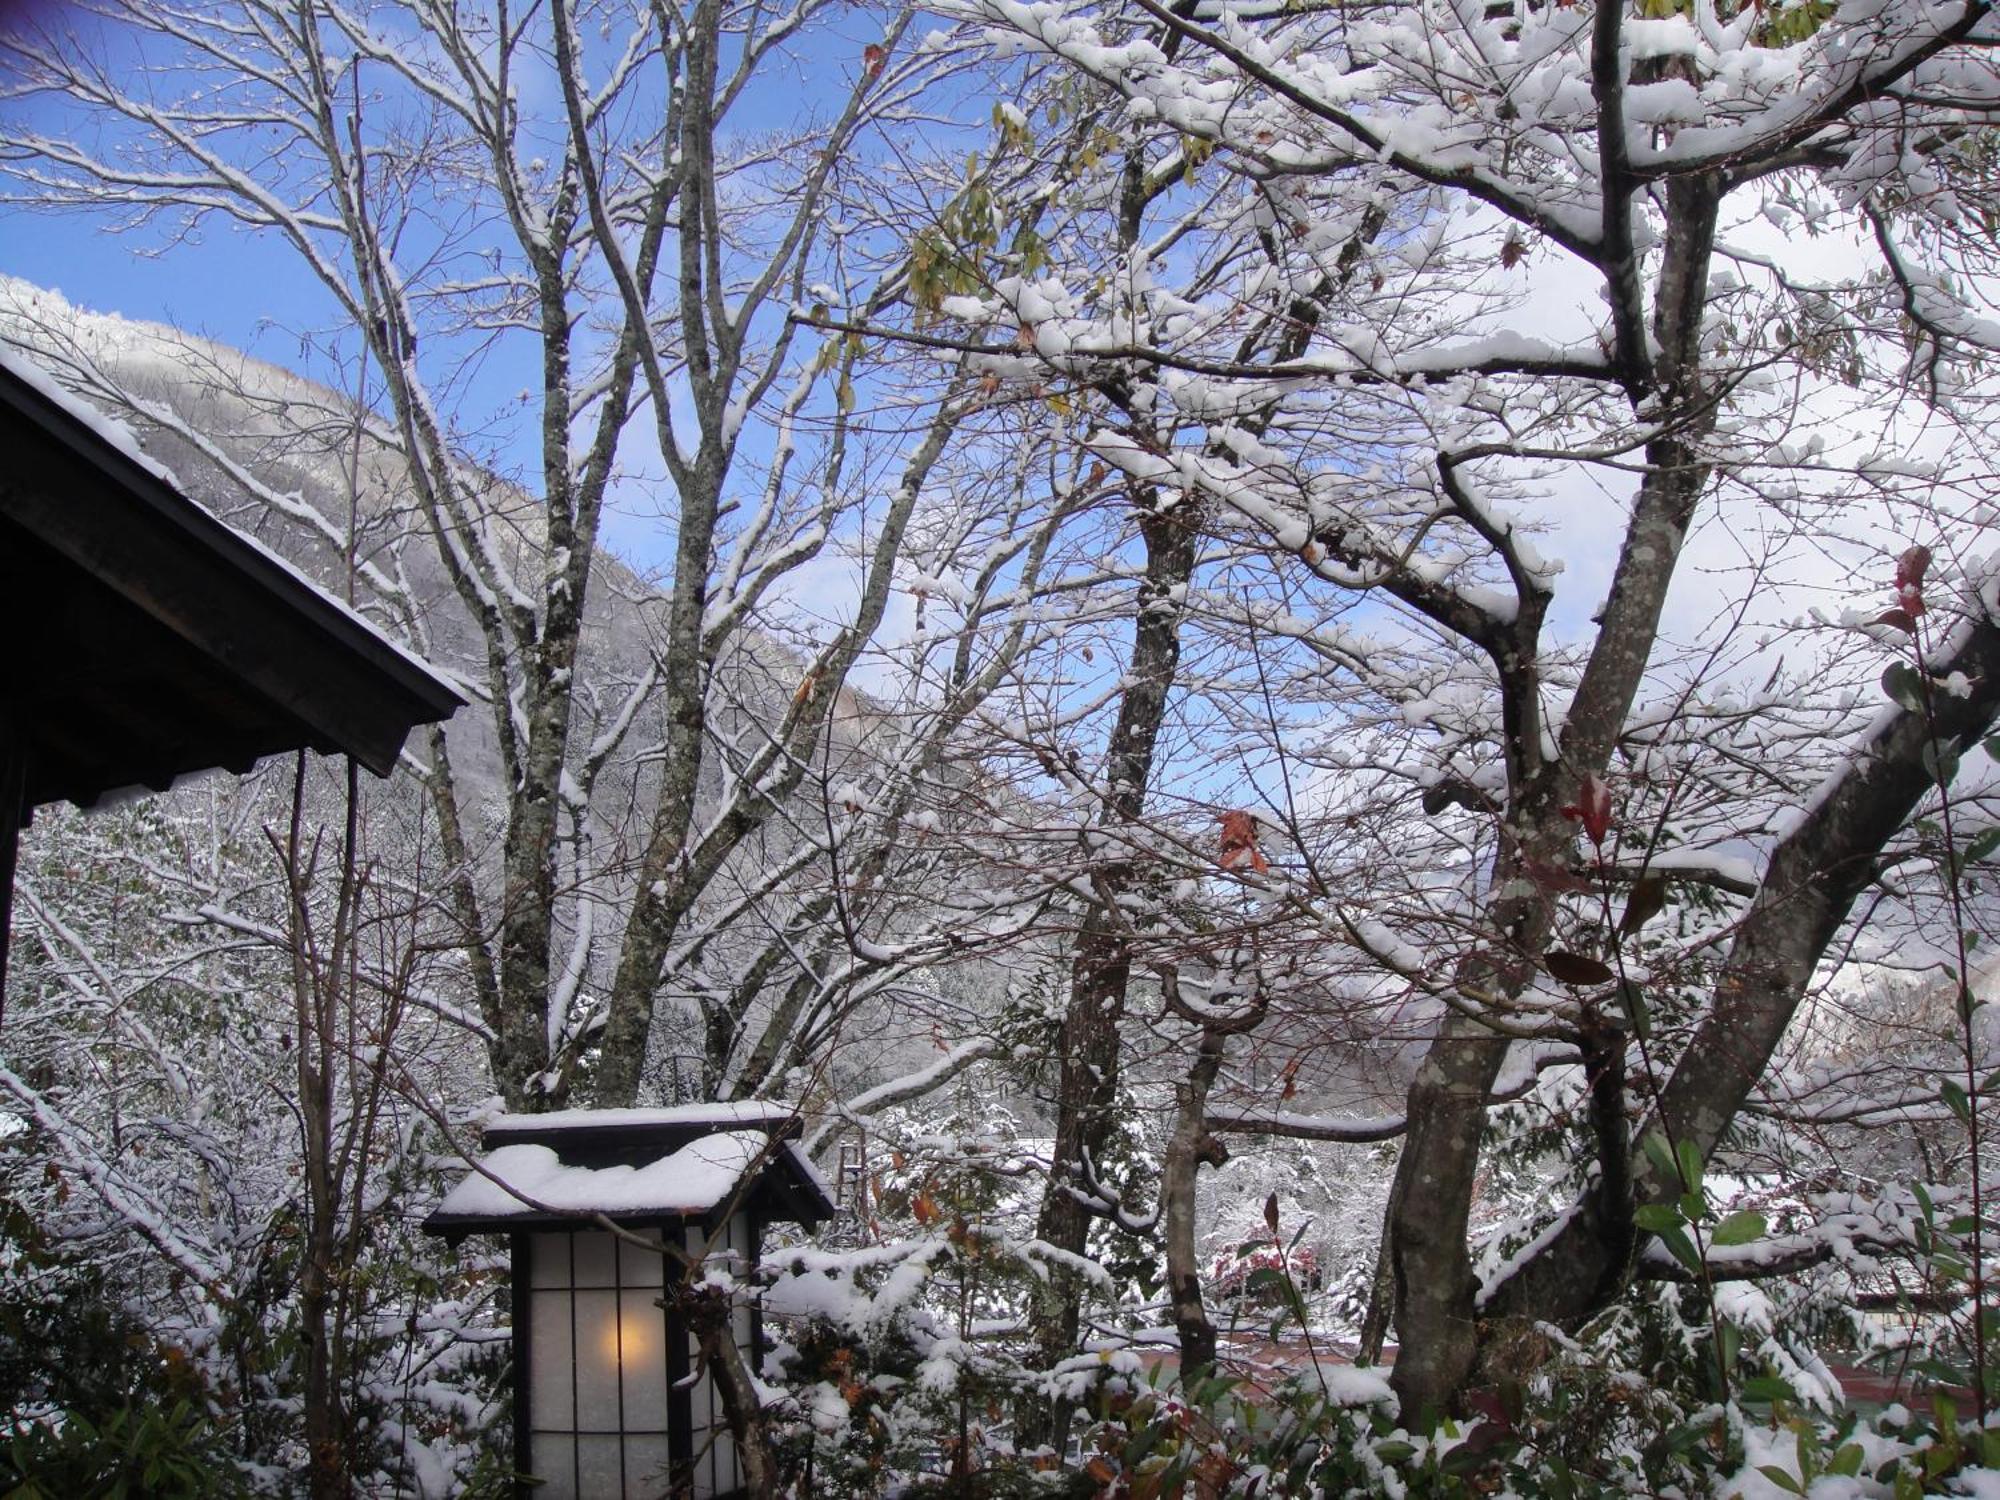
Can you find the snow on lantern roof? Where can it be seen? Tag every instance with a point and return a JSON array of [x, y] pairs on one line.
[[768, 1114], [695, 1180], [636, 1166]]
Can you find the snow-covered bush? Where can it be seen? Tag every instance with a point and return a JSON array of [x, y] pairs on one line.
[[218, 1150]]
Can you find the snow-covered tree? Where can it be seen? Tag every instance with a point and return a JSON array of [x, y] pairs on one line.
[[610, 202], [1621, 341]]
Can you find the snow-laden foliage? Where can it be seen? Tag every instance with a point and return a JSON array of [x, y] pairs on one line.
[[229, 1104], [1398, 754]]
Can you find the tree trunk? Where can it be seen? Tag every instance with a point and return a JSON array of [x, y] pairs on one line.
[[1087, 1046], [1189, 1148], [1809, 887], [708, 1315], [1430, 1203]]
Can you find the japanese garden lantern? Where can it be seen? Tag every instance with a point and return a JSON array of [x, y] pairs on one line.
[[611, 1396]]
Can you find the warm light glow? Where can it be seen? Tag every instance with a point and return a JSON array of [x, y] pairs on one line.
[[627, 1339]]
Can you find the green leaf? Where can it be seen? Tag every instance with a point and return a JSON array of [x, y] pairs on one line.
[[1740, 1228], [1954, 1096], [1940, 761], [1946, 1411], [1658, 1153], [1636, 1011], [1782, 1479], [1689, 1435], [1767, 1388], [1682, 1249], [1904, 687], [1656, 1218], [1142, 1445], [1846, 1460], [1989, 1448], [1981, 845], [1690, 1164], [1992, 744]]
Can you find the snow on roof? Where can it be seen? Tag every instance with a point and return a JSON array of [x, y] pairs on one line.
[[746, 1112], [120, 438], [114, 433], [526, 1180]]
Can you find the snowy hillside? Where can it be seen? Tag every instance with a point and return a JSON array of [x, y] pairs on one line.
[[288, 461]]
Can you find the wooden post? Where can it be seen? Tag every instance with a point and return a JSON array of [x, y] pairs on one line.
[[13, 815]]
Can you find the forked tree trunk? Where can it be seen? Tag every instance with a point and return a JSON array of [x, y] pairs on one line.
[[1188, 1150], [1436, 1175], [1809, 886]]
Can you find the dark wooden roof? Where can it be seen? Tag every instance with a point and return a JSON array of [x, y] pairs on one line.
[[781, 1185], [142, 639], [633, 1137]]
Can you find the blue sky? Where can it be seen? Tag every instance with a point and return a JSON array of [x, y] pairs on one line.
[[224, 285], [249, 290], [238, 289]]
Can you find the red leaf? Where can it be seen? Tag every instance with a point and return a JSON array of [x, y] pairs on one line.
[[1910, 570], [1592, 807], [1576, 968], [1271, 1214], [1239, 842], [872, 57], [1911, 567], [1898, 617]]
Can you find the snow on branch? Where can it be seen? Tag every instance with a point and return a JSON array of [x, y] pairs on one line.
[[1853, 1237], [128, 1200], [901, 1090]]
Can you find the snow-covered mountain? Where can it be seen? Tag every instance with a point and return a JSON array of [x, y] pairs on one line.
[[293, 463]]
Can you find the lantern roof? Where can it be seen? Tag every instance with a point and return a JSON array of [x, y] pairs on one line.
[[636, 1167]]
